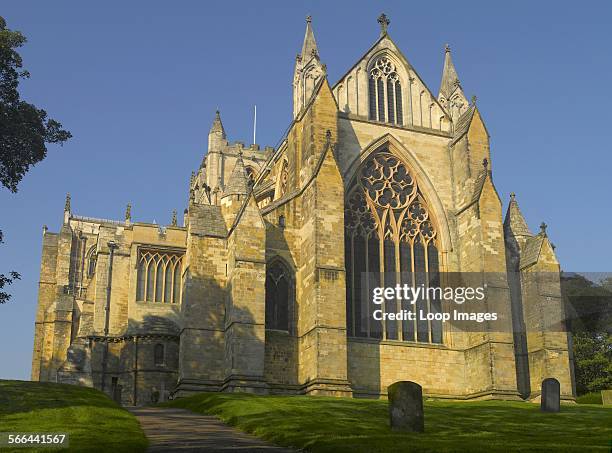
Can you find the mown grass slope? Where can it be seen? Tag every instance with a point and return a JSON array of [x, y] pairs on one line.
[[93, 421], [320, 424]]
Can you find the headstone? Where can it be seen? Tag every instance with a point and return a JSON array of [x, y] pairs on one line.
[[606, 397], [406, 407], [551, 395]]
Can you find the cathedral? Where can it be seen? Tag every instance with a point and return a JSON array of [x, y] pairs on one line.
[[258, 286]]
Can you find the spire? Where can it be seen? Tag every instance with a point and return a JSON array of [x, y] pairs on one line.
[[128, 213], [308, 70], [238, 183], [217, 125], [174, 220], [450, 79], [309, 48], [515, 222]]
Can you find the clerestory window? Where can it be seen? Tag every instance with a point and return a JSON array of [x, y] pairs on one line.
[[385, 92]]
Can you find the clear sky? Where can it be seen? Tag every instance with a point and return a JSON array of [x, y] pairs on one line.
[[137, 84]]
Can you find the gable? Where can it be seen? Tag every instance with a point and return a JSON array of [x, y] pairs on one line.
[[420, 107]]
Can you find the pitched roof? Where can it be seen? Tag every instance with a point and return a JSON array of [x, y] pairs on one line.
[[153, 325], [450, 79], [463, 124], [531, 251], [238, 183], [207, 220]]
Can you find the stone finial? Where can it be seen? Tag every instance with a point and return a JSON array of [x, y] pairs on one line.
[[328, 136], [512, 196], [67, 207], [543, 227], [474, 99], [193, 176], [308, 19], [485, 163], [174, 221], [45, 229], [384, 22], [447, 48], [128, 212]]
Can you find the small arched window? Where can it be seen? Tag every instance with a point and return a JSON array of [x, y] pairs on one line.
[[91, 262], [385, 92], [278, 296], [281, 221], [158, 354]]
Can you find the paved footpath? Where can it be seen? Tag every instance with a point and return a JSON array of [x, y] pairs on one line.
[[179, 430]]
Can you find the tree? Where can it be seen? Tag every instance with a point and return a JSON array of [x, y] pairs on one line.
[[25, 130], [589, 307]]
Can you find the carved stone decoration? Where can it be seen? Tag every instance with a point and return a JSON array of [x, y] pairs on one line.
[[385, 194]]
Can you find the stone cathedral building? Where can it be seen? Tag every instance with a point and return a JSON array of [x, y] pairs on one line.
[[257, 288]]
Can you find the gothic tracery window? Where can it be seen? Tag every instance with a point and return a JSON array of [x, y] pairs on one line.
[[385, 92], [390, 236], [278, 296], [159, 277]]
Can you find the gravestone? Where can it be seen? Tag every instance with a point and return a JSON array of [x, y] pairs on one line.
[[551, 395], [606, 397], [406, 407]]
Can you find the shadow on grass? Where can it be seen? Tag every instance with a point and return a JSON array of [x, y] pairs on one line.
[[338, 424]]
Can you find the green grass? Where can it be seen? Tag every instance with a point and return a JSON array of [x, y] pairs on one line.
[[93, 421], [590, 398], [320, 424]]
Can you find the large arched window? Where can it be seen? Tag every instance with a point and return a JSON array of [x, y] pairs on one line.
[[278, 296], [390, 239], [159, 277], [385, 92]]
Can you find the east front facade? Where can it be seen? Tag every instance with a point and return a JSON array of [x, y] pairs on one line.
[[258, 288]]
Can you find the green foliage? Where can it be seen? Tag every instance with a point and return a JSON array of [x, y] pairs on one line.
[[319, 424], [24, 129], [6, 280], [593, 362], [93, 421], [590, 398], [589, 306]]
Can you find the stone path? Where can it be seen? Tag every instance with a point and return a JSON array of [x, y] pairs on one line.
[[179, 430]]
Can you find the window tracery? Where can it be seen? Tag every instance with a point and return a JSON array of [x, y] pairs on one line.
[[385, 92], [391, 237], [159, 277]]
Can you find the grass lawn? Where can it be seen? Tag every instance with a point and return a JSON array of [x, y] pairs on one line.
[[92, 420], [356, 425]]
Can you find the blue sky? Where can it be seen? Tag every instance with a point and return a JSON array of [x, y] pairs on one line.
[[137, 84]]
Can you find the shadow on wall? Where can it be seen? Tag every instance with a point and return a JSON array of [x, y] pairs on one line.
[[142, 364], [281, 348], [222, 341]]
